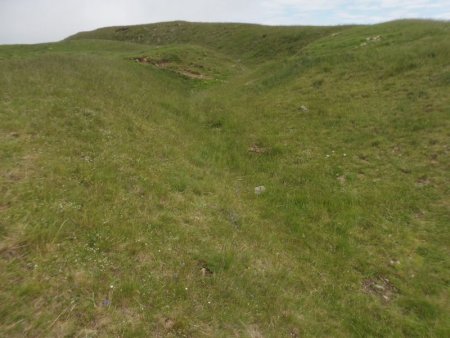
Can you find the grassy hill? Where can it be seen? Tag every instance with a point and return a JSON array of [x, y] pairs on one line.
[[251, 43], [130, 158]]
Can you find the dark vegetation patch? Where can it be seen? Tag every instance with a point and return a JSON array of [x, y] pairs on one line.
[[169, 65], [122, 29]]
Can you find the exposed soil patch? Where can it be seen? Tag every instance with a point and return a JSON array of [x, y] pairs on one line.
[[295, 333], [374, 38], [342, 179], [143, 59], [381, 287], [423, 181], [254, 148], [254, 332], [169, 324], [165, 64], [11, 251], [14, 134], [14, 176]]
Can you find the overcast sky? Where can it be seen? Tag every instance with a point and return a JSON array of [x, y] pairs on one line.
[[32, 21]]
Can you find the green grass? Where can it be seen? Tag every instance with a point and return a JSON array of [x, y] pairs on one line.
[[121, 180], [244, 42]]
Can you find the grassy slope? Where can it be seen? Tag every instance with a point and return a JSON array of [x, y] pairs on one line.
[[249, 43], [119, 173]]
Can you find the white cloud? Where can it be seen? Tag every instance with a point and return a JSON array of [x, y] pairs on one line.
[[305, 5]]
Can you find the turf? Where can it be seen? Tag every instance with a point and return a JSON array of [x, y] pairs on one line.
[[130, 157]]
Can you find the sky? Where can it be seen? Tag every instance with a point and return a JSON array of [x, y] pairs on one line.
[[34, 21]]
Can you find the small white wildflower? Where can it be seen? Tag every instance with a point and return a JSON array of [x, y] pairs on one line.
[[111, 286], [345, 155]]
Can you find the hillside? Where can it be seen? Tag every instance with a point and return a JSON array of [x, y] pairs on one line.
[[242, 41], [132, 161]]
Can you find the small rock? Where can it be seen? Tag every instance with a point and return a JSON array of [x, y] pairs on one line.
[[206, 272], [374, 38], [378, 287], [260, 190], [204, 269], [304, 108]]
